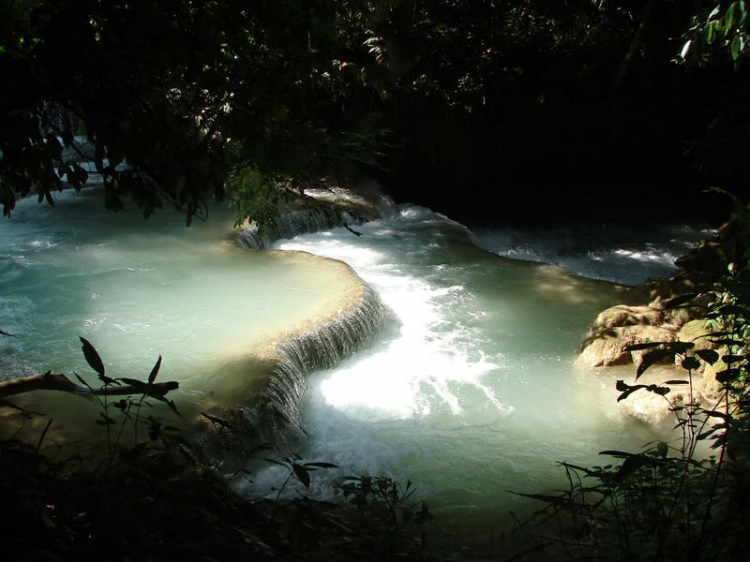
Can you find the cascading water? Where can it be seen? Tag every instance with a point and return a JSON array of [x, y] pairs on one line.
[[471, 389], [287, 226]]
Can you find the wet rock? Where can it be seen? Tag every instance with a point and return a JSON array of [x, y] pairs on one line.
[[624, 315], [608, 347]]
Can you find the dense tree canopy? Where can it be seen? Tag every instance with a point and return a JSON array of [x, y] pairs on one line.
[[556, 98]]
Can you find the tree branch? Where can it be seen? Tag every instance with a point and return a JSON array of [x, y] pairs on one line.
[[58, 381]]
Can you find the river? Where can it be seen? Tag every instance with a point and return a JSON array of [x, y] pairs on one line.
[[469, 388]]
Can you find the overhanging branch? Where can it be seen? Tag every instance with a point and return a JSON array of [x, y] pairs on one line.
[[60, 382]]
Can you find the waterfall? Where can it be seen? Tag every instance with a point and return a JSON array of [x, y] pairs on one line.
[[290, 225], [276, 418], [322, 348], [354, 206]]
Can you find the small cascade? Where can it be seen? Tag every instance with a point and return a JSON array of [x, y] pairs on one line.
[[277, 418], [322, 348], [366, 202], [290, 225]]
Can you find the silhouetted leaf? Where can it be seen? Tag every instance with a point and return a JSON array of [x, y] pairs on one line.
[[214, 419], [691, 364], [139, 385], [92, 357], [154, 371], [7, 334], [321, 465], [708, 355], [647, 345], [660, 390], [627, 390], [729, 359], [728, 375], [618, 454], [651, 358], [727, 342], [706, 434], [662, 449], [680, 346], [83, 382], [171, 404], [302, 475], [717, 414], [677, 381], [631, 464], [677, 302]]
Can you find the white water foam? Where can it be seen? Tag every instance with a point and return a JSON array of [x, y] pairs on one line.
[[627, 256]]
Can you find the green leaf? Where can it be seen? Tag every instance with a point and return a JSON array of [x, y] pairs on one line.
[[728, 19], [302, 475], [710, 31], [736, 47], [92, 357], [154, 371]]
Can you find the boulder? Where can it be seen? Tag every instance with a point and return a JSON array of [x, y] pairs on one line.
[[704, 378], [607, 347], [652, 408], [624, 315]]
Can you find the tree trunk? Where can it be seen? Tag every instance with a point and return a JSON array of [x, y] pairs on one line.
[[635, 45]]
